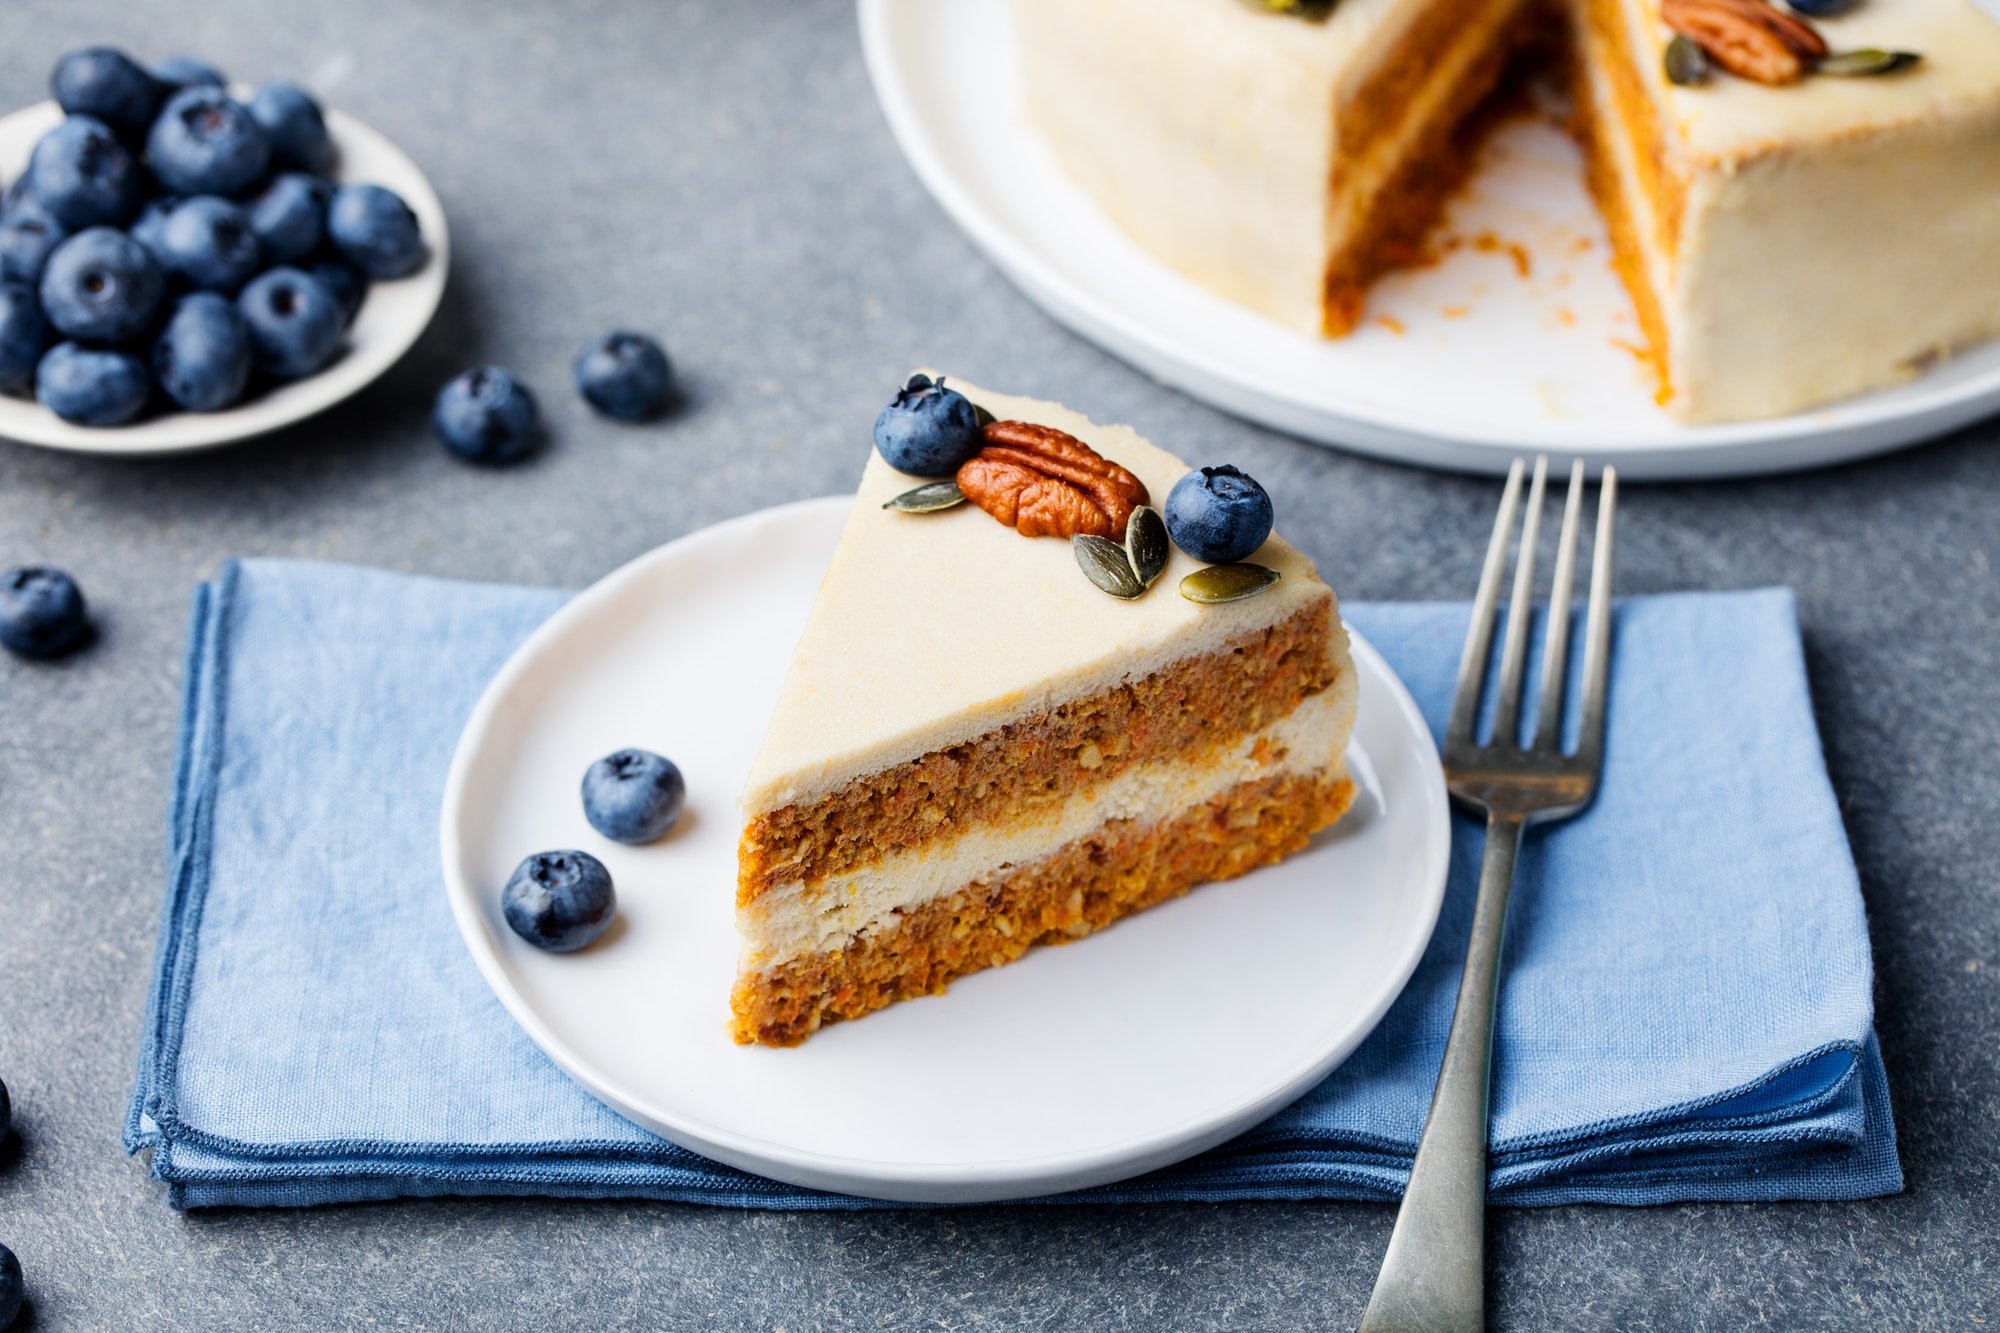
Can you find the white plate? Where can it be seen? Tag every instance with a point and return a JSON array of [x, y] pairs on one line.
[[388, 322], [1489, 364], [1151, 1041]]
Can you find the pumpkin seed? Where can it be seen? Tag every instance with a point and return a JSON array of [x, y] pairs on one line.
[[1314, 10], [1146, 544], [1104, 563], [984, 417], [1687, 63], [928, 498], [1862, 63], [1227, 583]]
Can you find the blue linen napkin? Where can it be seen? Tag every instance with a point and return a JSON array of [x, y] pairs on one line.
[[1685, 1012]]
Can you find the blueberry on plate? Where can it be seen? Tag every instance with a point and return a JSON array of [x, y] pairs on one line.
[[26, 238], [559, 901], [342, 281], [486, 416], [208, 242], [178, 72], [100, 286], [203, 357], [289, 217], [293, 123], [633, 796], [294, 322], [375, 231], [41, 612], [109, 85], [625, 375], [1218, 515], [92, 386], [13, 1288], [23, 335], [149, 228], [83, 176], [929, 430], [206, 142]]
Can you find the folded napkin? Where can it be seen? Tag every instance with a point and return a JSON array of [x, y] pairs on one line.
[[1685, 1011]]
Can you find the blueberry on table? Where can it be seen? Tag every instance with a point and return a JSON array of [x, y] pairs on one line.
[[929, 430], [178, 72], [6, 1112], [92, 386], [23, 335], [294, 322], [206, 142], [375, 231], [208, 242], [13, 1289], [633, 796], [27, 239], [486, 416], [559, 901], [625, 375], [289, 217], [1218, 515], [83, 176], [106, 83], [203, 357], [343, 282], [41, 613], [292, 121], [100, 286]]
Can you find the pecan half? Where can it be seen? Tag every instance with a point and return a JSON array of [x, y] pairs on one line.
[[1046, 483], [1749, 38]]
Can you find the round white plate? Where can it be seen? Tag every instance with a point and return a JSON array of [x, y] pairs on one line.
[[1148, 1042], [389, 321], [1489, 363]]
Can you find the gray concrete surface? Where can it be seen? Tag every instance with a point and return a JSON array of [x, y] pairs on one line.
[[718, 172]]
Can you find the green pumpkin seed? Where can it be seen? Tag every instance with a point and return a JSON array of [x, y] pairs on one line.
[[1314, 10], [1227, 583], [928, 498], [1687, 63], [985, 418], [1104, 563], [1146, 544], [1862, 63]]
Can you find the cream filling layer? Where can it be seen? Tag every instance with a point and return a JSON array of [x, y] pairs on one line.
[[791, 920]]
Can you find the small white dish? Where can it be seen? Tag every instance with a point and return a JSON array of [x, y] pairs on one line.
[[389, 321], [1159, 1037], [1481, 363]]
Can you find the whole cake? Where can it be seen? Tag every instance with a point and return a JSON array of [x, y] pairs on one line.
[[1802, 208], [976, 750]]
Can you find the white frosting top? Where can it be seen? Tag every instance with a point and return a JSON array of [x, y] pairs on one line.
[[932, 629]]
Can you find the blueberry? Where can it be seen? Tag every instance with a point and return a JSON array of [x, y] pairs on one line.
[[101, 286], [293, 123], [486, 416], [203, 356], [41, 615], [633, 796], [13, 1288], [625, 375], [205, 142], [178, 72], [1218, 515], [209, 244], [26, 238], [294, 322], [559, 901], [108, 85], [289, 217], [20, 197], [83, 176], [342, 282], [929, 430], [6, 1123], [23, 335], [375, 231], [92, 387]]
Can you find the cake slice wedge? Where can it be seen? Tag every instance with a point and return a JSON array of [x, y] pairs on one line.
[[976, 750]]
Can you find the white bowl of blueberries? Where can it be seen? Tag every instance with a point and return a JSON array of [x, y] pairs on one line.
[[183, 264]]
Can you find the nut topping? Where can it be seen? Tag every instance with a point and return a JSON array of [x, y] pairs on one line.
[[1047, 483], [1749, 38]]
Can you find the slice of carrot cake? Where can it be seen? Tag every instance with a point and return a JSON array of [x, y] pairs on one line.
[[977, 750]]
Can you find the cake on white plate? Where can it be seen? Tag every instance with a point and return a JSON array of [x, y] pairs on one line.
[[1813, 215]]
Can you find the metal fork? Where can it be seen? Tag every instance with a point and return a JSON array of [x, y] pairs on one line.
[[1433, 1277]]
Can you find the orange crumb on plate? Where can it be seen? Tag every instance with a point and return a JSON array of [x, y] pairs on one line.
[[1391, 323]]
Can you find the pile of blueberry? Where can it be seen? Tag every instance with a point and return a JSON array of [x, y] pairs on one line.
[[171, 246]]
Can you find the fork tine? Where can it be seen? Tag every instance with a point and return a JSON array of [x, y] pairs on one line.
[[1597, 643], [1479, 634], [1520, 612], [1555, 640]]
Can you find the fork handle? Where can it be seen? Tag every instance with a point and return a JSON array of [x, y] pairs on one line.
[[1434, 1276]]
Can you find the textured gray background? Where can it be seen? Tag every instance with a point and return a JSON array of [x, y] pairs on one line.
[[718, 172]]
